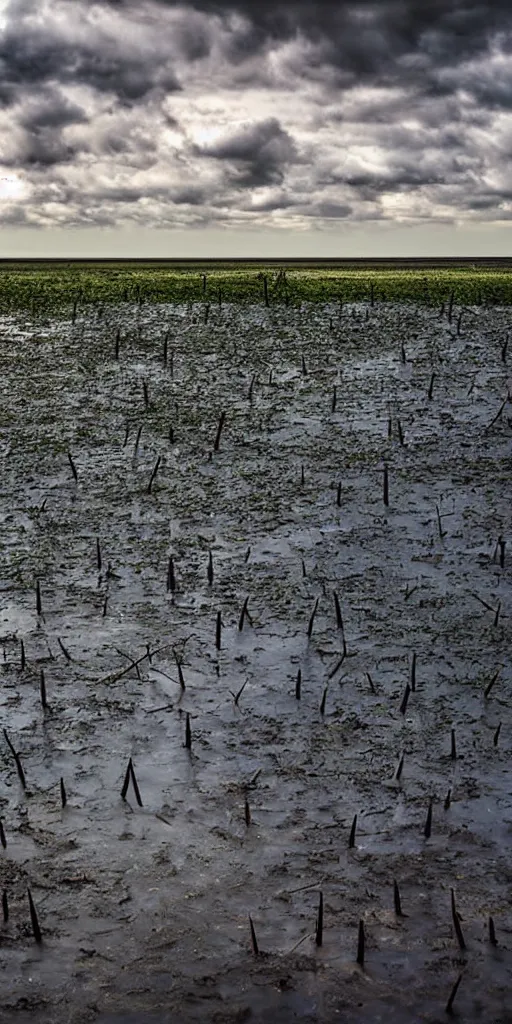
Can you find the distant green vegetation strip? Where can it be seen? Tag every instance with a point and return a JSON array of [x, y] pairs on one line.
[[59, 289]]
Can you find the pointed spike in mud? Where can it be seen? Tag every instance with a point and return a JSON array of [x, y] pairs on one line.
[[104, 610], [153, 475], [448, 800], [405, 698], [334, 398], [397, 900], [490, 685], [319, 930], [403, 357], [219, 431], [413, 673], [312, 619], [302, 477], [64, 650], [116, 349], [400, 432], [137, 440], [304, 573], [39, 606], [126, 435], [3, 840], [304, 367], [218, 631], [502, 544], [398, 773], [337, 606], [63, 797], [171, 577], [427, 831], [496, 735], [431, 386], [360, 944], [453, 752], [492, 933], [209, 571], [390, 428], [239, 694], [385, 493], [5, 906], [181, 677], [135, 784], [188, 733], [164, 354], [42, 687], [34, 919], [456, 922], [324, 698], [497, 615], [73, 468], [126, 782], [352, 836], [254, 940], [247, 555], [338, 495], [298, 685], [372, 684], [22, 655], [504, 348], [98, 554], [453, 993], [243, 614], [247, 812]]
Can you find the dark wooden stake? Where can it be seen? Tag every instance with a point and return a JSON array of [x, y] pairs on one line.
[[453, 993], [334, 396], [188, 733], [33, 918], [400, 768], [398, 902], [42, 687], [219, 431], [39, 606], [324, 698], [453, 753], [243, 614], [218, 631], [496, 735], [253, 937], [490, 685], [98, 554], [247, 811], [126, 782], [405, 698], [5, 906], [153, 475], [338, 496], [22, 652], [492, 933], [171, 577], [431, 386], [456, 922], [448, 800], [73, 468], [3, 840], [209, 571], [319, 930], [298, 684], [352, 836], [360, 944], [312, 619], [386, 487], [63, 797], [427, 831], [413, 673]]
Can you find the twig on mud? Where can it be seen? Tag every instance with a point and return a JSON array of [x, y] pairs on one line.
[[498, 414], [310, 935], [312, 618], [408, 592], [113, 678], [153, 475], [130, 659]]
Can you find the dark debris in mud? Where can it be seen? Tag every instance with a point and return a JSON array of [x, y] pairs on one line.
[[225, 568]]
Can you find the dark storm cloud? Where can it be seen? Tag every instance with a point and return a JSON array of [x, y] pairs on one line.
[[258, 153]]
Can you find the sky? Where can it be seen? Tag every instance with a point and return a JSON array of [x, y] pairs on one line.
[[148, 128]]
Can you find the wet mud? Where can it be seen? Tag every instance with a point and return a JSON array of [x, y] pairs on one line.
[[117, 486]]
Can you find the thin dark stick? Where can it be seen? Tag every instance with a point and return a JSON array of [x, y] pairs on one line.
[[153, 475], [3, 840], [63, 797], [137, 439], [496, 735], [490, 685], [431, 386], [33, 918], [334, 396], [352, 836], [298, 684], [427, 831], [253, 937], [42, 686], [413, 673], [338, 496], [22, 654], [5, 906], [453, 753], [188, 733], [448, 800], [209, 571], [386, 487], [247, 812], [243, 614], [324, 698], [339, 618], [98, 554], [171, 578], [312, 619], [181, 677], [126, 782], [453, 993], [456, 922], [73, 468], [319, 931], [219, 431], [64, 650], [218, 630], [370, 680], [397, 900], [492, 933], [400, 768], [39, 606], [360, 944], [405, 698], [134, 784]]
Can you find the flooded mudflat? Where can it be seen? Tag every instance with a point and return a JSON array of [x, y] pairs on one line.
[[153, 487]]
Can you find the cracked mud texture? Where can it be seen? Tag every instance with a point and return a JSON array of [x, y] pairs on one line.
[[144, 909]]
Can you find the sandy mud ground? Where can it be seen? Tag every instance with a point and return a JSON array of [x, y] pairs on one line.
[[144, 910]]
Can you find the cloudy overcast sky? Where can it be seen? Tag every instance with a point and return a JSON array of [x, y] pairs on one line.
[[255, 127]]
